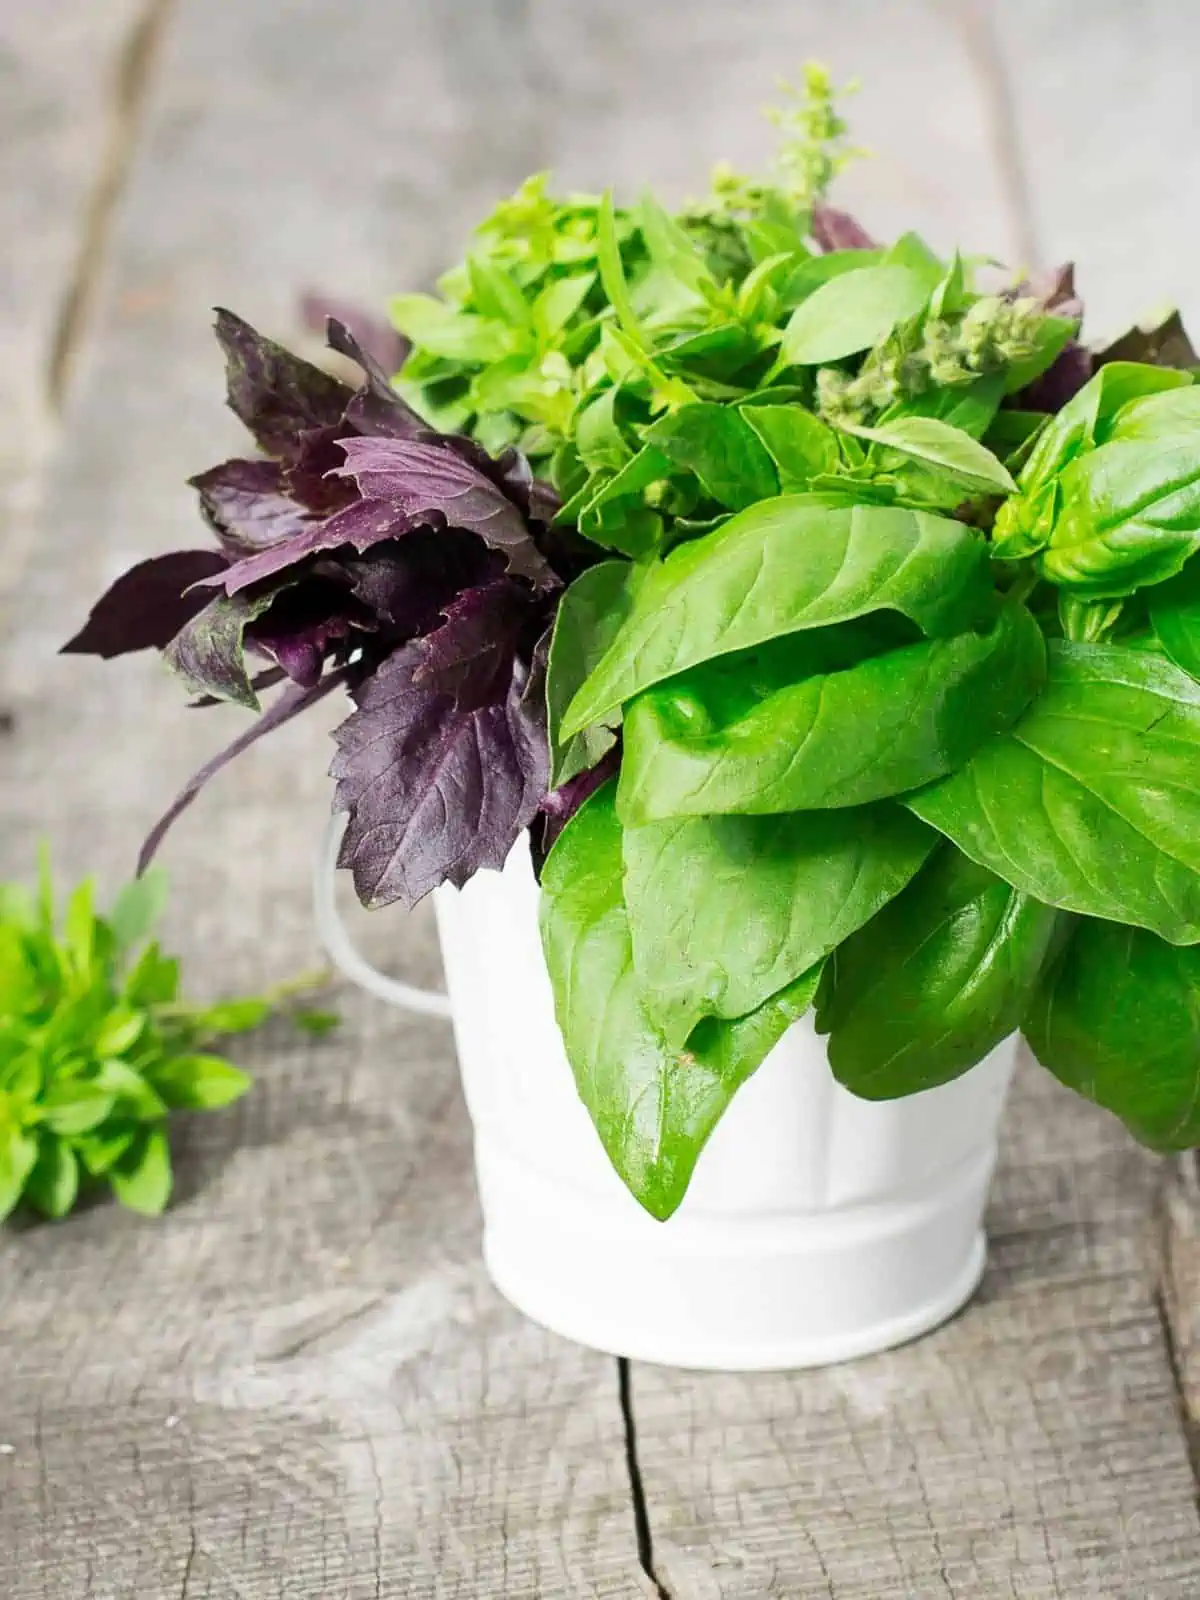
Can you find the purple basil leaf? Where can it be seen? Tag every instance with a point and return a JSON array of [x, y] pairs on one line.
[[373, 334], [434, 484], [1167, 345], [310, 477], [434, 793], [1063, 379], [404, 585], [289, 704], [837, 230], [470, 657], [359, 526], [376, 408], [146, 607], [247, 506], [208, 653], [277, 395], [303, 622], [561, 804]]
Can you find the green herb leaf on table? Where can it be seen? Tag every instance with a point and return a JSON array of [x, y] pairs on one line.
[[653, 1107]]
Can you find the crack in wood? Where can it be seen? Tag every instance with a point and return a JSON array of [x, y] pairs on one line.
[[641, 1510], [130, 84]]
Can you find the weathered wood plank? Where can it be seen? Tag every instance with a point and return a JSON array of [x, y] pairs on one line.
[[1029, 1449], [297, 1383]]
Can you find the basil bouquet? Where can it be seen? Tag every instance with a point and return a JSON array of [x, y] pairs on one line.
[[827, 617]]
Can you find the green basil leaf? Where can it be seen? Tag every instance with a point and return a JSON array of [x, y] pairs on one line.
[[717, 444], [199, 1082], [654, 1108], [783, 566], [137, 908], [817, 270], [141, 1178], [598, 437], [1118, 1020], [851, 313], [1130, 517], [496, 294], [53, 1182], [941, 976], [973, 408], [558, 302], [948, 450], [136, 1097], [725, 911], [720, 739], [1163, 414], [1175, 617], [18, 1152], [439, 329], [73, 1107], [1090, 802], [231, 1016], [588, 618], [120, 1029], [100, 1151], [911, 251], [670, 248], [612, 271], [800, 444], [153, 979], [1073, 429]]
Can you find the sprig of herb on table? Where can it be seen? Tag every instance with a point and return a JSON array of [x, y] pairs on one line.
[[97, 1048]]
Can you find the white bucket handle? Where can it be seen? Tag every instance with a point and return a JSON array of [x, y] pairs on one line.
[[340, 947]]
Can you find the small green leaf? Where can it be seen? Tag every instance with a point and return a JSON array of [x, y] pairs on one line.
[[18, 1152], [587, 620], [207, 655], [721, 448], [456, 335], [141, 1179], [945, 449], [558, 302], [53, 1182], [120, 1029], [231, 1016], [153, 979], [496, 294], [598, 437], [317, 1023], [101, 1150], [671, 249], [71, 1108], [199, 1082], [800, 444], [138, 907], [136, 1097], [851, 313], [79, 927], [911, 251], [612, 272], [1175, 616]]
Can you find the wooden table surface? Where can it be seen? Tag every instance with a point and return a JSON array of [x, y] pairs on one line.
[[299, 1384]]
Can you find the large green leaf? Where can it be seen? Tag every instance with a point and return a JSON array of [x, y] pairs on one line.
[[850, 313], [585, 624], [945, 449], [733, 735], [1074, 428], [783, 566], [654, 1108], [724, 911], [935, 981], [1091, 801], [800, 444], [1175, 616], [1130, 516], [1118, 1020], [717, 444]]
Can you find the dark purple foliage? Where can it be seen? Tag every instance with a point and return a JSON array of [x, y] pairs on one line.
[[435, 789], [366, 549], [147, 605], [1167, 345], [560, 805], [375, 335], [837, 230]]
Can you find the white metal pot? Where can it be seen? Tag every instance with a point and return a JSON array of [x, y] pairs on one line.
[[818, 1226]]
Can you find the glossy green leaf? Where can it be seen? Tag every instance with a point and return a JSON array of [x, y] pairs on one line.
[[971, 408], [911, 251], [653, 1108], [442, 331], [1073, 429], [768, 737], [725, 911], [1175, 616], [53, 1182], [1118, 1020], [558, 302], [786, 565], [850, 313], [141, 1179], [199, 1082], [944, 449], [809, 276], [933, 983], [588, 619], [1130, 517], [1090, 802], [800, 444], [717, 444], [1171, 410]]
